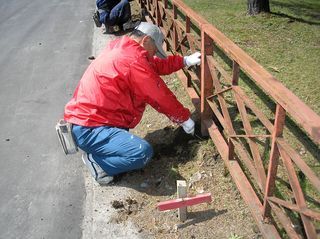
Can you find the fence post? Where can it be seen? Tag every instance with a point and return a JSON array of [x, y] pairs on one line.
[[206, 79], [188, 24], [274, 156], [230, 150], [165, 4], [141, 4], [175, 33], [158, 13], [235, 73]]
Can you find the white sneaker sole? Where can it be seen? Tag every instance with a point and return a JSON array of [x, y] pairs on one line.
[[95, 170]]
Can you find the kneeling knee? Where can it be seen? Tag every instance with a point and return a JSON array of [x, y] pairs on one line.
[[146, 153]]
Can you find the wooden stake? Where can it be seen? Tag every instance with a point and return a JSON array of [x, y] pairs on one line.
[[182, 193]]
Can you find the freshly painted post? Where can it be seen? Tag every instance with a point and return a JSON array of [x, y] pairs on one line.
[[182, 193]]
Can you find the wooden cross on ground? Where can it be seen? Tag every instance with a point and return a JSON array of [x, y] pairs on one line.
[[183, 201]]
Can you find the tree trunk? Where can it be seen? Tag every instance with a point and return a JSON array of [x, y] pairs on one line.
[[257, 6]]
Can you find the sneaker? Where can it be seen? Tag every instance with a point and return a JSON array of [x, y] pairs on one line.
[[130, 25], [96, 171], [105, 180], [96, 19]]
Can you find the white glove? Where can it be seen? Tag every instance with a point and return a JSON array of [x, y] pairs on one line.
[[188, 126], [193, 59]]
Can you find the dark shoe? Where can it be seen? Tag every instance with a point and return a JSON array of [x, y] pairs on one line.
[[110, 29], [120, 27], [96, 19]]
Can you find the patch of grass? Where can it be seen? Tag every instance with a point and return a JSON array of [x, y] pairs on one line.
[[234, 236], [286, 42], [173, 173]]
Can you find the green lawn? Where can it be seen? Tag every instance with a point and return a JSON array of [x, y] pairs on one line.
[[286, 42]]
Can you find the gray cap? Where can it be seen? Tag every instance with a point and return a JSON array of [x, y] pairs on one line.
[[155, 33]]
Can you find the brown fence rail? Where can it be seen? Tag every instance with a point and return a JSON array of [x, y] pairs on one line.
[[253, 119]]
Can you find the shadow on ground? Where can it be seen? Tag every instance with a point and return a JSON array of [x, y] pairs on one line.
[[308, 12], [201, 216]]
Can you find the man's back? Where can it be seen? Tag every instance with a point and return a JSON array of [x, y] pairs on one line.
[[103, 94]]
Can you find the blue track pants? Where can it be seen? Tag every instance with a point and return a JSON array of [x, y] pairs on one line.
[[115, 150], [118, 15]]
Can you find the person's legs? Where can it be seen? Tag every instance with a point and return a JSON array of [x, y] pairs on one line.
[[101, 4], [119, 14], [124, 152], [115, 150], [125, 13], [101, 13], [103, 16]]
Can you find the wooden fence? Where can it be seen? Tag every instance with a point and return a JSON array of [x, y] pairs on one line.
[[255, 133]]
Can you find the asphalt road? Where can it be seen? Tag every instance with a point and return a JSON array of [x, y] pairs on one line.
[[44, 50]]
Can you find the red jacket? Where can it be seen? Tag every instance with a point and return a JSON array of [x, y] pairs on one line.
[[116, 87]]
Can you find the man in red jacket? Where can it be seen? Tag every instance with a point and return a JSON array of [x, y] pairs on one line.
[[111, 98]]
